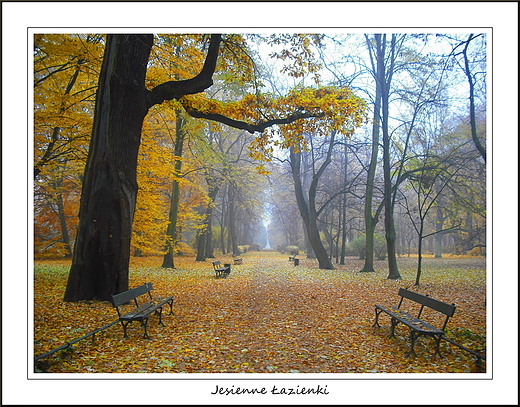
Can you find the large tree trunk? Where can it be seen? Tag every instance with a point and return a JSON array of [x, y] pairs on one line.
[[102, 250]]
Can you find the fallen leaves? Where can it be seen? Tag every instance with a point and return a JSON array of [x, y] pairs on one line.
[[266, 317]]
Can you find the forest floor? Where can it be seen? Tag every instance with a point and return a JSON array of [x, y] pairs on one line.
[[268, 316]]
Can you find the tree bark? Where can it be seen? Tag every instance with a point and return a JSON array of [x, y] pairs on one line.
[[232, 222], [63, 224], [171, 232], [102, 250], [204, 238], [439, 224], [370, 220], [467, 70], [393, 273], [308, 211]]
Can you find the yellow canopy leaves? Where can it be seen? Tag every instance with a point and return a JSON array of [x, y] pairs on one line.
[[304, 110], [66, 70]]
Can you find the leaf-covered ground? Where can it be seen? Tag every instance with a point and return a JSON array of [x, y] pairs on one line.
[[268, 316]]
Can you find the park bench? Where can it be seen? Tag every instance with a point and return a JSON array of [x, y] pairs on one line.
[[237, 260], [295, 260], [141, 312], [417, 326], [221, 272]]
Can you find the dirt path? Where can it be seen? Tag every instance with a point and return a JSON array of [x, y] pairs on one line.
[[267, 316]]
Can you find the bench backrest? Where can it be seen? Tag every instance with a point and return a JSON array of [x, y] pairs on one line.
[[445, 308], [216, 264], [425, 301], [132, 294]]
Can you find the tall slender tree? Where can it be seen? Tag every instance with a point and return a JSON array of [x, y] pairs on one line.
[[377, 52], [171, 232], [307, 200]]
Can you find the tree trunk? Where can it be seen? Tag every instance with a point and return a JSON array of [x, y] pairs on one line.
[[232, 225], [209, 237], [63, 225], [390, 235], [171, 232], [343, 210], [201, 245], [102, 250], [204, 244], [393, 273], [419, 254], [370, 220], [481, 149], [308, 211], [439, 224], [308, 246]]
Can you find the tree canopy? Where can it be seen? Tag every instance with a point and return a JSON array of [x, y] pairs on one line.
[[297, 103]]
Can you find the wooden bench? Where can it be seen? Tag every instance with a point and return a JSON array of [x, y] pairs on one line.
[[237, 260], [221, 272], [141, 312], [295, 260], [417, 326]]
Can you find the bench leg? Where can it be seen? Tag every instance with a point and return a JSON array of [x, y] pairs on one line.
[[413, 337], [144, 323], [125, 335], [159, 312], [376, 323], [437, 345], [394, 323]]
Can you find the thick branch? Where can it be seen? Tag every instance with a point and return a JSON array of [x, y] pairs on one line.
[[251, 128], [473, 121], [176, 89]]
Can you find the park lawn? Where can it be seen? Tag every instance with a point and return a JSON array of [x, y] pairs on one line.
[[268, 316]]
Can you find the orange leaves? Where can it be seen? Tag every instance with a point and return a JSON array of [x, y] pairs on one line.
[[319, 111], [267, 317]]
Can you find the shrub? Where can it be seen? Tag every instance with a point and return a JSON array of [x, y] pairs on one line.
[[183, 249], [358, 246], [254, 247], [294, 250], [380, 248], [477, 251]]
